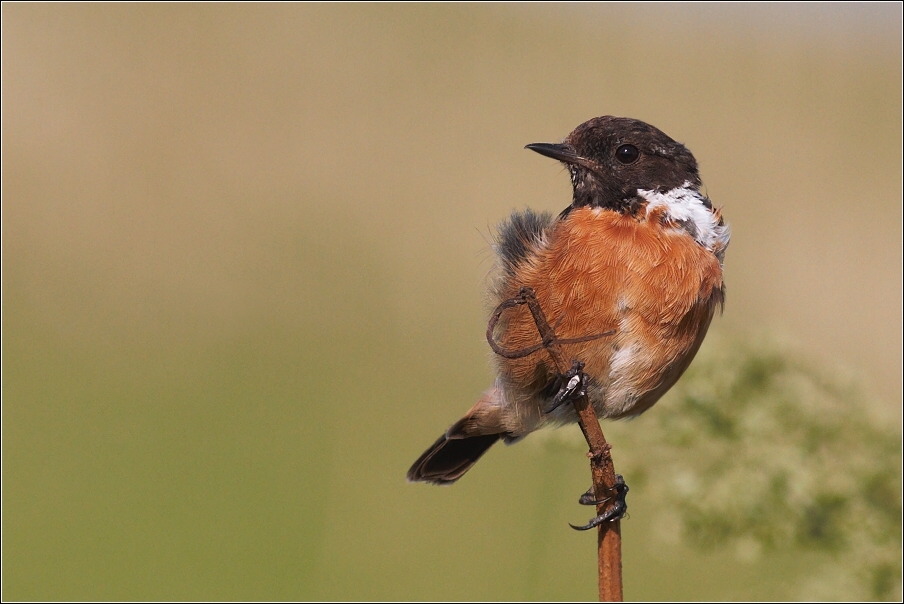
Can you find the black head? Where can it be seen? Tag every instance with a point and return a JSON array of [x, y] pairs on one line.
[[610, 158]]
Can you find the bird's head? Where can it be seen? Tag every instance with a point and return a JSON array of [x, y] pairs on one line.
[[611, 158]]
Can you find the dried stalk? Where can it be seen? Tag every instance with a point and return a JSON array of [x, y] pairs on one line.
[[601, 467]]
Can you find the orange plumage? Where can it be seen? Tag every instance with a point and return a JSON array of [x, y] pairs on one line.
[[601, 271]]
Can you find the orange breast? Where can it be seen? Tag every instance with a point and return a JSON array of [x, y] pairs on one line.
[[599, 271]]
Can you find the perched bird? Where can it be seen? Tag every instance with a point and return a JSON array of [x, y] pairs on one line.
[[637, 255]]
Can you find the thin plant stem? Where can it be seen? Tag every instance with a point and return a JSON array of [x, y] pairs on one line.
[[601, 467]]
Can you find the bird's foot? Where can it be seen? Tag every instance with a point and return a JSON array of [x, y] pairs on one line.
[[616, 511], [573, 386]]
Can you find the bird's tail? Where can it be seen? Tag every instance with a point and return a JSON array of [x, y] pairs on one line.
[[464, 442]]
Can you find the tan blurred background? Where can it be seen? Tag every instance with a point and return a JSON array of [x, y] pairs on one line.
[[244, 253]]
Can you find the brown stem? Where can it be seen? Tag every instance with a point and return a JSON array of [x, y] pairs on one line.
[[601, 467]]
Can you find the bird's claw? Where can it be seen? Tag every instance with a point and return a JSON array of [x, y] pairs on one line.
[[615, 512], [574, 386]]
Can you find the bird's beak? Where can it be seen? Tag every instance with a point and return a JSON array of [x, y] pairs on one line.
[[563, 153]]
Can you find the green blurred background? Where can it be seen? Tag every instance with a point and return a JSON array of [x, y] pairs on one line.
[[244, 256]]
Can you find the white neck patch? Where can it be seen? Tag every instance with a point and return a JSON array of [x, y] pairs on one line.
[[685, 204]]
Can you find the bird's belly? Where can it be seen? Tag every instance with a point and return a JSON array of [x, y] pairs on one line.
[[647, 362]]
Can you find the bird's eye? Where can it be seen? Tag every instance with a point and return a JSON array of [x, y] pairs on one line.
[[627, 154]]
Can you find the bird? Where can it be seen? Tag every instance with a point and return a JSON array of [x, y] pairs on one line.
[[629, 274]]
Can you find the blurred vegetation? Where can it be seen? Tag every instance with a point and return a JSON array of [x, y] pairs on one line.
[[759, 451]]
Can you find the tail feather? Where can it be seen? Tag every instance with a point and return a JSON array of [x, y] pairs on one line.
[[464, 442], [449, 458]]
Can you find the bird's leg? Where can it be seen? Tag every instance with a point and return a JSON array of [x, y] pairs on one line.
[[615, 512], [573, 386]]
